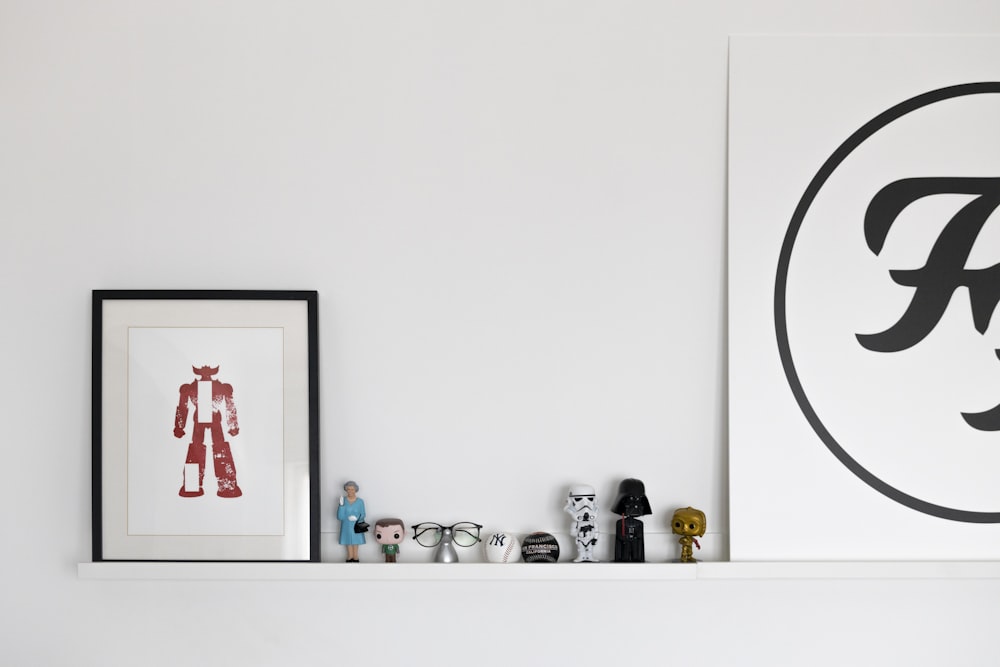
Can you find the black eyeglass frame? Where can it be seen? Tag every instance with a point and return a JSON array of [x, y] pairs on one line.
[[465, 527]]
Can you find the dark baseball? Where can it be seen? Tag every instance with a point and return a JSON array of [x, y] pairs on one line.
[[540, 548]]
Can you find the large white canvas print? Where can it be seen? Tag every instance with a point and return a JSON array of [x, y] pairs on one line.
[[864, 282]]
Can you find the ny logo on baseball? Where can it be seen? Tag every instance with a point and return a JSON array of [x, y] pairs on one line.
[[886, 289], [502, 547]]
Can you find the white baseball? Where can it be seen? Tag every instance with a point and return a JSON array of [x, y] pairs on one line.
[[502, 547]]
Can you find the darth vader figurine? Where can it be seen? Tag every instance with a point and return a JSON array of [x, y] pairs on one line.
[[631, 503]]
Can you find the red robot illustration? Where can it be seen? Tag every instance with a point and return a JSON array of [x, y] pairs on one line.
[[213, 410]]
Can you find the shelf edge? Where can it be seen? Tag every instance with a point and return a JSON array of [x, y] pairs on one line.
[[152, 571]]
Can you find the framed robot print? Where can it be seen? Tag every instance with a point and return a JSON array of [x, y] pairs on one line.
[[205, 426], [864, 279]]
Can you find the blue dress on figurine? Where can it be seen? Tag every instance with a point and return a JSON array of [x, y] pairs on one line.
[[344, 512]]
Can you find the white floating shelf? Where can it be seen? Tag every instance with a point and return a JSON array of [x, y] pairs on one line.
[[388, 572], [538, 571], [851, 570]]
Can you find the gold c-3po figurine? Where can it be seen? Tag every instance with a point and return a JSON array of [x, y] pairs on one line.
[[689, 523]]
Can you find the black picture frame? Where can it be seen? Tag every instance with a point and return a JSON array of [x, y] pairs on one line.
[[266, 502]]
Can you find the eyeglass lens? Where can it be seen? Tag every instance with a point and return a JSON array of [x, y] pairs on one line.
[[466, 534], [427, 534]]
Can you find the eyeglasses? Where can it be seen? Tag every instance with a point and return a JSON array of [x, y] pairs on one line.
[[430, 534]]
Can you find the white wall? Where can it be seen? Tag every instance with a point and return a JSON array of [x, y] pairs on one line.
[[514, 215]]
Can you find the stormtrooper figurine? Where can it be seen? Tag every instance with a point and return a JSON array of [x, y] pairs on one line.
[[582, 506], [213, 408]]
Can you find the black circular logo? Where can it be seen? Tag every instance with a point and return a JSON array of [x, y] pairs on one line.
[[808, 400]]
